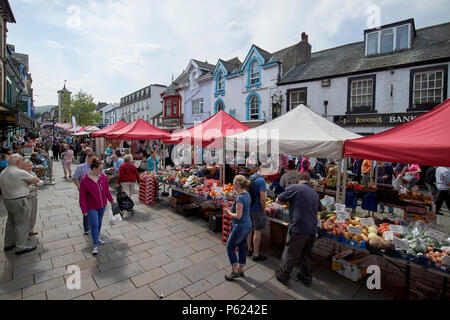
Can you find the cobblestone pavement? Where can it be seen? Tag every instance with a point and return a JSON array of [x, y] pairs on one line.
[[154, 253]]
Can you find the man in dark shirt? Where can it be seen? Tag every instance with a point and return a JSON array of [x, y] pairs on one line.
[[304, 204], [430, 181]]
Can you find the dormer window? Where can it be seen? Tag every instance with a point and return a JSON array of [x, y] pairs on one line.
[[220, 82], [388, 40], [254, 73]]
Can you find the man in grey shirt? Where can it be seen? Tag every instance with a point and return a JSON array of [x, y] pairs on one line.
[[304, 204], [14, 183], [443, 187]]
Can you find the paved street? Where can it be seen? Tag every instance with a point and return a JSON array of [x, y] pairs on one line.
[[154, 253]]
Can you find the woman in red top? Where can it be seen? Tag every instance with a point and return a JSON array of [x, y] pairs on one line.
[[94, 193], [128, 175]]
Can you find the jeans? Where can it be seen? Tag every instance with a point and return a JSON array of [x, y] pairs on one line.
[[85, 223], [238, 239], [95, 221], [390, 209]]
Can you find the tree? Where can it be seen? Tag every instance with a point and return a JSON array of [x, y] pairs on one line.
[[82, 106]]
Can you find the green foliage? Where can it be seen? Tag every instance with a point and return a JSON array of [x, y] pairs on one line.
[[82, 106]]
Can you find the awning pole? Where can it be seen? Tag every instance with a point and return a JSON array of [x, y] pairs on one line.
[[344, 187], [338, 184]]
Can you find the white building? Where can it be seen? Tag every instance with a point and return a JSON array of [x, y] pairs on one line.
[[142, 104], [248, 90], [394, 75], [108, 113]]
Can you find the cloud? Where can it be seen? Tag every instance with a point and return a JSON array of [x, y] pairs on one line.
[[124, 45], [54, 44]]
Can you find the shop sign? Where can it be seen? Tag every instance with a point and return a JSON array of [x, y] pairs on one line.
[[171, 122], [388, 119]]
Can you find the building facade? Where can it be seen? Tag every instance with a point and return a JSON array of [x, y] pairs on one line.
[[142, 104], [396, 74], [197, 93], [63, 95], [108, 115]]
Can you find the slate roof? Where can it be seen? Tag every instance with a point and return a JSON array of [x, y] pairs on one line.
[[204, 65], [232, 65], [431, 43], [266, 55]]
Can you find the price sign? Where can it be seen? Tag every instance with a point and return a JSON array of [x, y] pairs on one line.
[[354, 230], [328, 199], [396, 229], [340, 220], [388, 235], [342, 216], [340, 207], [433, 233], [319, 223], [367, 222], [446, 260], [402, 244]]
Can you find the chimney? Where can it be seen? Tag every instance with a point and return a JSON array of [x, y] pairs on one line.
[[304, 37]]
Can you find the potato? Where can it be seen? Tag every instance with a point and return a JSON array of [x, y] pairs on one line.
[[355, 238], [364, 237]]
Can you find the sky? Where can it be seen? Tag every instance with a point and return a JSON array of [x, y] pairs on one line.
[[110, 48]]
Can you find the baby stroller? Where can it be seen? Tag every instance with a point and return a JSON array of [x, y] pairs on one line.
[[124, 201]]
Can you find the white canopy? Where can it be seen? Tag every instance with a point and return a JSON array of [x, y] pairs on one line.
[[298, 132]]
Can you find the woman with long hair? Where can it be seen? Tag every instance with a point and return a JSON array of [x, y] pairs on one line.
[[242, 225], [94, 193]]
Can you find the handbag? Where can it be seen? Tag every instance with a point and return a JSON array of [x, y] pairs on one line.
[[115, 209]]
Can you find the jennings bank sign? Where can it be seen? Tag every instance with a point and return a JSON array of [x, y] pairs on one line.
[[373, 119]]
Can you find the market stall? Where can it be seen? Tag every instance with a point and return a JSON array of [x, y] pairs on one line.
[[423, 140], [99, 135]]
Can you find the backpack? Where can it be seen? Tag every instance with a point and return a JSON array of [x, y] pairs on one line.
[[252, 190]]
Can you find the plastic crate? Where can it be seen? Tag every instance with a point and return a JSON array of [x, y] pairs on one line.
[[327, 235]]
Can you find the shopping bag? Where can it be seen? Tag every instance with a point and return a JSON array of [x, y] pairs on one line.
[[113, 219], [115, 209]]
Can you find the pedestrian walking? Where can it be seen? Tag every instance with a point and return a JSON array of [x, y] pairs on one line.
[[79, 173], [32, 197], [128, 176], [257, 192], [55, 149], [242, 225], [304, 204], [67, 156], [14, 184], [430, 182], [94, 196], [443, 187]]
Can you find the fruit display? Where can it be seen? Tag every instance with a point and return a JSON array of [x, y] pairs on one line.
[[409, 195]]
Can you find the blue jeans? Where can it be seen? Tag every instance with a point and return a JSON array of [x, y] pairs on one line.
[[390, 209], [95, 221], [238, 239], [85, 223]]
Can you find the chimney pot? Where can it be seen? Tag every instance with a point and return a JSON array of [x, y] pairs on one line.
[[304, 37]]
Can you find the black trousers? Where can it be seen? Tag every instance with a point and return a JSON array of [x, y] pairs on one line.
[[298, 245], [442, 196], [55, 152]]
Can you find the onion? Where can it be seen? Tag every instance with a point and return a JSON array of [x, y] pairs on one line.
[[372, 236]]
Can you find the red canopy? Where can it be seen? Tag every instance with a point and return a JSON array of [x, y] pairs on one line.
[[424, 140], [111, 128], [219, 125], [138, 130]]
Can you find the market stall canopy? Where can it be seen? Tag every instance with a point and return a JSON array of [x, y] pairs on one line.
[[297, 132], [138, 130], [219, 125], [91, 128], [424, 140], [111, 128]]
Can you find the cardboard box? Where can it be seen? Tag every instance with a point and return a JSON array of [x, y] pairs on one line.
[[352, 270]]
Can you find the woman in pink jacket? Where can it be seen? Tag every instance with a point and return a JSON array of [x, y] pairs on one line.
[[94, 193]]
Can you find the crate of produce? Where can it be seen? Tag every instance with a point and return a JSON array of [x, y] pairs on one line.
[[353, 270], [327, 235], [188, 210], [427, 218], [357, 244]]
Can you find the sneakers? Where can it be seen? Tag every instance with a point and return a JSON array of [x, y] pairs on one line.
[[86, 232], [303, 279], [249, 253], [9, 248], [101, 242], [259, 258], [95, 251], [25, 250], [232, 276]]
